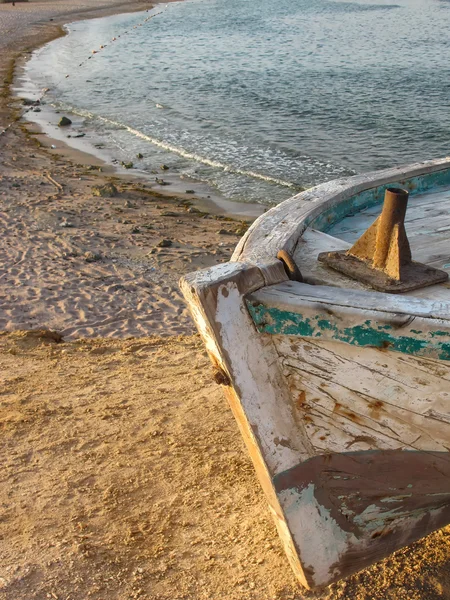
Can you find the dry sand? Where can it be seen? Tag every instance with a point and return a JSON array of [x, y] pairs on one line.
[[123, 474], [92, 266]]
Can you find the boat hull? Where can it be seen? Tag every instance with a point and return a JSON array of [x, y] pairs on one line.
[[341, 394], [349, 510]]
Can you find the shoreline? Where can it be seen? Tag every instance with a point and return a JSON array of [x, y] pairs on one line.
[[85, 250], [205, 197], [76, 149]]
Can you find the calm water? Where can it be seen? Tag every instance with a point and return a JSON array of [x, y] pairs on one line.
[[262, 98]]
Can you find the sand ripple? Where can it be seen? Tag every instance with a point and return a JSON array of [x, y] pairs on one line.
[[97, 277]]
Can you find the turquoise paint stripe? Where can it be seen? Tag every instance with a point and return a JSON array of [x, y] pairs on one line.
[[375, 196], [367, 334]]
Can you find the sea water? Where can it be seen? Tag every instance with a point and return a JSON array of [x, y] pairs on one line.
[[260, 99]]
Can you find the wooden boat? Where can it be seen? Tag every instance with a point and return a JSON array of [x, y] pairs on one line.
[[341, 392]]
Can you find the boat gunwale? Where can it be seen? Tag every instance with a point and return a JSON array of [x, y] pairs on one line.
[[322, 206]]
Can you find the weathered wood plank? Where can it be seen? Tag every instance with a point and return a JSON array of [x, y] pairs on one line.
[[248, 367], [364, 505], [374, 395], [215, 297], [309, 246], [289, 294], [331, 433], [400, 330]]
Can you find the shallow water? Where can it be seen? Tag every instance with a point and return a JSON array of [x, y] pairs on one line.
[[261, 99]]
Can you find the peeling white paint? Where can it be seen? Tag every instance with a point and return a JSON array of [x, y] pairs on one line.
[[318, 536], [261, 395], [374, 517], [392, 499]]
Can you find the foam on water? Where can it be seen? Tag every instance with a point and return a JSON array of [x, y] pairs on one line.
[[201, 159]]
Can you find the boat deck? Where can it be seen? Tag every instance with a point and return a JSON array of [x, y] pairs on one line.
[[428, 228]]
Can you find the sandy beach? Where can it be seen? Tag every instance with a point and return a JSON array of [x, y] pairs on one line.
[[124, 476], [123, 472], [84, 264], [89, 265]]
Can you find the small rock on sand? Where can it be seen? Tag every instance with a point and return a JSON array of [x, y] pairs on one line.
[[27, 102], [108, 190], [91, 257], [64, 122], [165, 244]]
